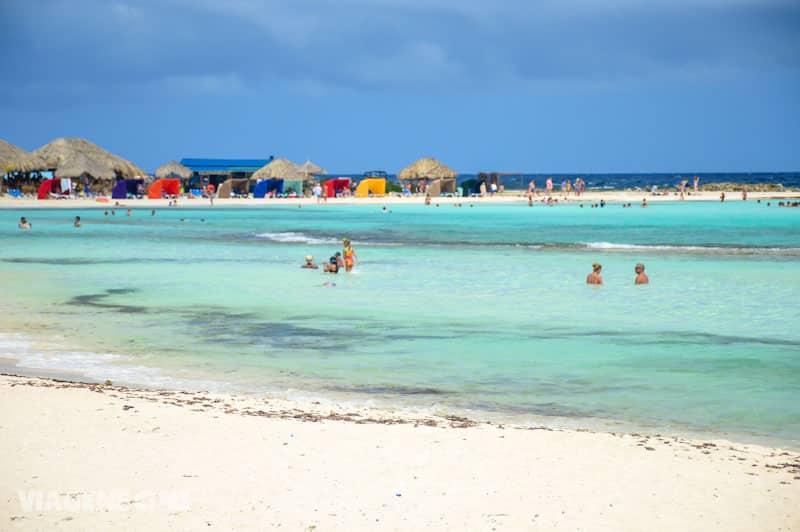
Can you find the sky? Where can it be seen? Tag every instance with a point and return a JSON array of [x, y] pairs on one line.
[[540, 86]]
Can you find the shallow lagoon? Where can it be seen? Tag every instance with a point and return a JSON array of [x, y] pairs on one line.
[[480, 308]]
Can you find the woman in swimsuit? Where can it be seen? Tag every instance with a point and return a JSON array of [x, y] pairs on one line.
[[350, 256]]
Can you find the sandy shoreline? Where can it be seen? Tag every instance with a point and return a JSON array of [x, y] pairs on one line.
[[185, 460], [610, 196]]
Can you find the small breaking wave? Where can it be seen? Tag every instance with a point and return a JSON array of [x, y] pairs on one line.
[[33, 354], [290, 237], [677, 248], [294, 237]]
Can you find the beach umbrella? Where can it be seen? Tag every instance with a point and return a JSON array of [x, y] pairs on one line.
[[308, 169], [426, 168], [174, 169], [278, 169], [74, 157]]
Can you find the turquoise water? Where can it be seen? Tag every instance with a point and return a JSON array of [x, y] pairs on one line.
[[481, 308]]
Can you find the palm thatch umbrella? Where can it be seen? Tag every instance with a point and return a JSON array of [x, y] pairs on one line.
[[427, 168], [16, 159], [72, 157], [174, 169], [278, 168], [308, 169]]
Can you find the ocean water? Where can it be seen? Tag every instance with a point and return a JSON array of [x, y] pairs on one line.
[[477, 309]]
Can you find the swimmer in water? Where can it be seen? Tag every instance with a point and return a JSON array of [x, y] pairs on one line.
[[77, 222], [332, 266], [309, 265], [595, 277], [641, 277], [23, 223]]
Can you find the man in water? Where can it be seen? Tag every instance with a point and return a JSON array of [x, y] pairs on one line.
[[333, 265], [641, 277], [644, 203], [77, 221], [595, 277], [309, 265], [23, 223]]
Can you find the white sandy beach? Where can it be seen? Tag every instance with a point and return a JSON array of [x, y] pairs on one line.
[[611, 196], [91, 457]]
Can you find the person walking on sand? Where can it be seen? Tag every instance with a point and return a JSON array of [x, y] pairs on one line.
[[696, 182], [721, 196], [531, 188], [595, 277], [744, 194], [350, 256], [549, 186], [641, 277], [23, 223]]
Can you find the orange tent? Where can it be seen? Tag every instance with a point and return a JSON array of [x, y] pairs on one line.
[[170, 187]]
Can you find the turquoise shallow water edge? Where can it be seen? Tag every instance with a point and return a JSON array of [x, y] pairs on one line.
[[477, 309]]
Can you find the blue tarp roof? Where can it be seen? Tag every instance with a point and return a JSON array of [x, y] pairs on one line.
[[224, 165]]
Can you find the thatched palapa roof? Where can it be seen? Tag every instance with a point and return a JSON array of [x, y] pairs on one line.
[[174, 169], [427, 168], [308, 169], [280, 168], [13, 158], [73, 157]]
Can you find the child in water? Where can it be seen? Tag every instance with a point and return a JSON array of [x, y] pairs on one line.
[[350, 256]]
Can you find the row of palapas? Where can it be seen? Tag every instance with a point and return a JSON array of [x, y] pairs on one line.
[[76, 158]]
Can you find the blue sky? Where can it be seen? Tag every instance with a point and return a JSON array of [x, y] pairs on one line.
[[534, 86]]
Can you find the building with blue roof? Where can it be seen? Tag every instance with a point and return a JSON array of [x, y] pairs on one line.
[[224, 168]]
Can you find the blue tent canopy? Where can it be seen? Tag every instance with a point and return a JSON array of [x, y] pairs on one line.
[[265, 186], [125, 187]]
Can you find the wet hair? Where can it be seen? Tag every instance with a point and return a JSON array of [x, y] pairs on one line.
[[639, 265], [596, 266]]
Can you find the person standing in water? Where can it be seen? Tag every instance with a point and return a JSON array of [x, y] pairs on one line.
[[595, 277], [349, 255], [23, 223], [641, 277], [77, 221]]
